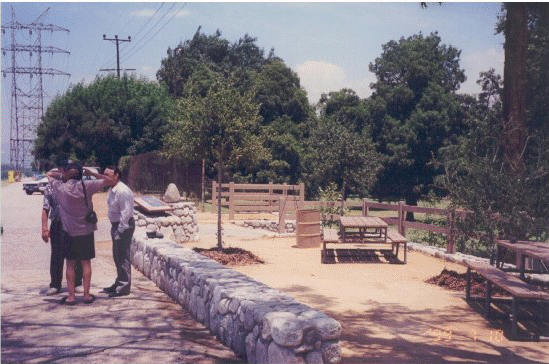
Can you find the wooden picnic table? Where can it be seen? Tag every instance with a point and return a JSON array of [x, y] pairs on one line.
[[523, 249], [363, 229]]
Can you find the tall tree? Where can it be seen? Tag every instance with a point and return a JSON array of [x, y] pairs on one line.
[[414, 111], [223, 127], [105, 120], [338, 154], [514, 89], [500, 170], [284, 107]]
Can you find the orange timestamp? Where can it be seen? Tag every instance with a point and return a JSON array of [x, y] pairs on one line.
[[446, 334]]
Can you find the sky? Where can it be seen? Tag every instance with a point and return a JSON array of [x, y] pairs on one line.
[[328, 44]]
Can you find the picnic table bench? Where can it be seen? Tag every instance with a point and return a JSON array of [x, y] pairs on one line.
[[519, 290], [333, 236]]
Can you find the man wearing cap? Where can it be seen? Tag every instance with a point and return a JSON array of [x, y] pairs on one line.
[[55, 233], [74, 198], [120, 202]]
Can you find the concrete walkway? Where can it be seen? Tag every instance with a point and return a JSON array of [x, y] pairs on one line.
[[144, 327]]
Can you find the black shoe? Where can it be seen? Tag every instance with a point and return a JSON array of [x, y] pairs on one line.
[[110, 289], [118, 294]]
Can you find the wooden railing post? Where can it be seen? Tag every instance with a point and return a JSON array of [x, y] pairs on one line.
[[282, 215], [401, 229], [450, 224], [365, 207], [231, 200], [271, 193]]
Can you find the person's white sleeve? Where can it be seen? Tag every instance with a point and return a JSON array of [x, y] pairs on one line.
[[126, 211]]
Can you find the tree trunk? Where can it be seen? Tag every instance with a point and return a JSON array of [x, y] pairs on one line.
[[410, 214], [343, 196], [219, 180], [514, 86]]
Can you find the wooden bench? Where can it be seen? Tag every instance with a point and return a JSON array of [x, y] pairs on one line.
[[518, 289], [396, 239], [331, 236]]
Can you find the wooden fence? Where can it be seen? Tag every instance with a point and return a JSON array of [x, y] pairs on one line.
[[399, 219], [243, 198], [448, 229], [286, 199]]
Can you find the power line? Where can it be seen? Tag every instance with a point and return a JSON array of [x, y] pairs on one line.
[[138, 43], [154, 35], [112, 59], [124, 47]]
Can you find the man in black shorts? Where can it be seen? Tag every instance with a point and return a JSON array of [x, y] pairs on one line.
[[74, 197]]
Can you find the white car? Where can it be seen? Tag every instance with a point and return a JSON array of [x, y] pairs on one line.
[[39, 185]]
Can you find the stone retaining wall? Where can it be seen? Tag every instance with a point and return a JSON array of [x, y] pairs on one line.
[[179, 225], [258, 323]]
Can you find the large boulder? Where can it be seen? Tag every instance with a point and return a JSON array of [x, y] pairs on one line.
[[172, 194]]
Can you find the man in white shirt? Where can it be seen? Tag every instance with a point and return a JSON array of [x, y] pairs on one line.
[[120, 202]]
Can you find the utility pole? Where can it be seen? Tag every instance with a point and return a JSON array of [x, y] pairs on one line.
[[116, 40], [27, 103]]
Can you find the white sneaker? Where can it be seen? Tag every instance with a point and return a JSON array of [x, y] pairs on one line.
[[51, 291], [79, 289]]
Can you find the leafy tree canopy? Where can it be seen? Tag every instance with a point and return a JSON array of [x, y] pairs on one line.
[[103, 121], [283, 105], [506, 205], [345, 107], [414, 111]]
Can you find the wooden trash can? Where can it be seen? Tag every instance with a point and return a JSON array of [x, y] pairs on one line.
[[308, 233]]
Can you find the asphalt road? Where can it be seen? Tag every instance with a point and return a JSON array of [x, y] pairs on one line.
[[144, 327]]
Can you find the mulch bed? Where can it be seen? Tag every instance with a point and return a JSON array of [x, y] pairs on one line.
[[230, 256], [454, 281]]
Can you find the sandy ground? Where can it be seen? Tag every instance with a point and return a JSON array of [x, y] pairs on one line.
[[388, 313]]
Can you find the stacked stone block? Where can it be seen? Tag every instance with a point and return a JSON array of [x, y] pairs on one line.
[[180, 225], [269, 225], [257, 322]]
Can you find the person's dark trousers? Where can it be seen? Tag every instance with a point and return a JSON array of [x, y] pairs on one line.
[[57, 237], [121, 256], [57, 257]]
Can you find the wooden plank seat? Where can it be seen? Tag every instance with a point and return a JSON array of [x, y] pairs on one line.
[[518, 289], [332, 236], [396, 239], [329, 236]]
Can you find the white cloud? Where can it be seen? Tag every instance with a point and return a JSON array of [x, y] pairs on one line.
[[319, 77], [149, 72], [143, 12]]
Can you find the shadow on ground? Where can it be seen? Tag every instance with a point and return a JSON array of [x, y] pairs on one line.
[[144, 327], [392, 333]]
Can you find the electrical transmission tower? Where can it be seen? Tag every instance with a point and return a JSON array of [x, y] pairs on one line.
[[27, 87]]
